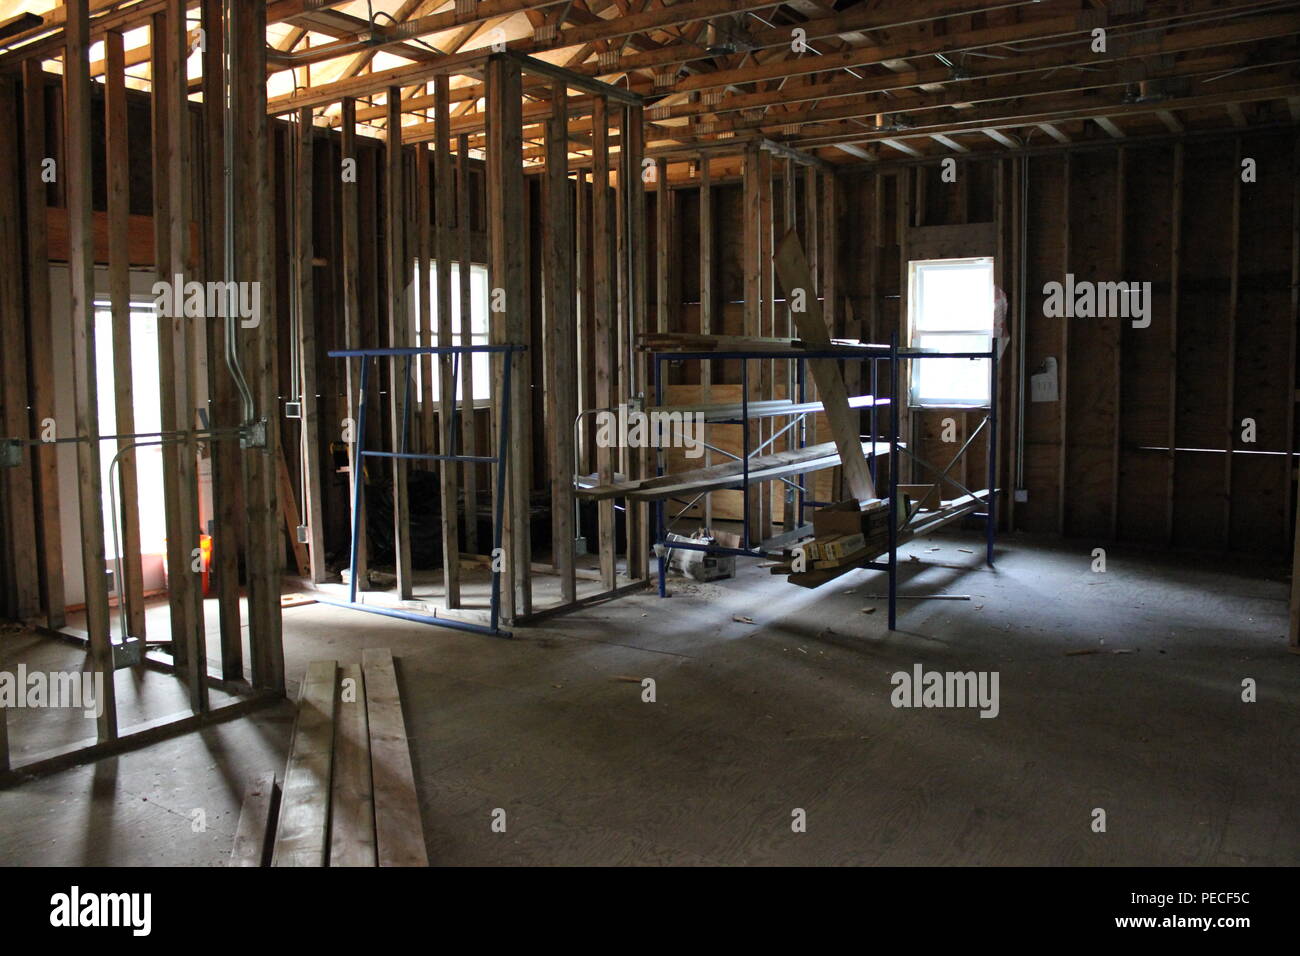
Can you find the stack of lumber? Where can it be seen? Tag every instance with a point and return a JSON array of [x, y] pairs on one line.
[[349, 789], [729, 474], [695, 342], [851, 534]]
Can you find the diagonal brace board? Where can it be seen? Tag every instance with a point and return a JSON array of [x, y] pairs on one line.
[[794, 275]]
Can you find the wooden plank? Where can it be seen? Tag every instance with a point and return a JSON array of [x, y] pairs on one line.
[[81, 272], [259, 343], [729, 474], [350, 225], [399, 832], [170, 452], [707, 272], [227, 510], [505, 191], [602, 318], [180, 183], [792, 268], [49, 536], [423, 301], [468, 417], [638, 306], [561, 345], [117, 163], [399, 335], [21, 573], [308, 388], [1063, 365], [253, 834], [1230, 431], [1175, 274], [1294, 623], [449, 472], [291, 517], [302, 835], [352, 800]]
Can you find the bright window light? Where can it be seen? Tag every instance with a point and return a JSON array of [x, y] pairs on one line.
[[950, 303], [478, 331], [148, 418]]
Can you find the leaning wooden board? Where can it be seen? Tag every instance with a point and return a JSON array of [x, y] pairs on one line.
[[399, 834], [792, 270]]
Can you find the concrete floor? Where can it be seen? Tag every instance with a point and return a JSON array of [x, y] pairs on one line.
[[792, 711]]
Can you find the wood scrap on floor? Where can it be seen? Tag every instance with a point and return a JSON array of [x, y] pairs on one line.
[[349, 796]]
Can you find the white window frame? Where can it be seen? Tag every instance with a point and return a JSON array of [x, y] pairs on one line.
[[914, 267]]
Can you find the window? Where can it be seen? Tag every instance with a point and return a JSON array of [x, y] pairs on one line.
[[148, 418], [951, 310], [477, 332]]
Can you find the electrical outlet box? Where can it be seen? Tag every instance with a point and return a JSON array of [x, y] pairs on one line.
[[109, 577], [302, 534], [293, 409], [1022, 495], [11, 453]]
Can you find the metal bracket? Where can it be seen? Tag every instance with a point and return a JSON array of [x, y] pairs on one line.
[[130, 653], [253, 435]]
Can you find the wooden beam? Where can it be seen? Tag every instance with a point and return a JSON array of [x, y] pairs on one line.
[[449, 472], [117, 162], [468, 417], [49, 535], [707, 272], [20, 576], [602, 320], [227, 510], [505, 200], [81, 272], [792, 270], [1230, 430], [561, 342], [188, 626], [349, 212], [258, 341], [313, 512], [399, 335], [1175, 275]]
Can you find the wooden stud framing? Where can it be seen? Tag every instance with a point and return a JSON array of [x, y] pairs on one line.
[[1175, 275], [45, 458], [1230, 360], [257, 342], [561, 345], [20, 575], [19, 578], [224, 404], [81, 265], [639, 303], [189, 629], [505, 197], [117, 163], [602, 315], [427, 333], [352, 338], [399, 335], [468, 417], [706, 302], [313, 514], [449, 472]]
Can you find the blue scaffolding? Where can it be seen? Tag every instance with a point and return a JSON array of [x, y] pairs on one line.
[[893, 356], [360, 453]]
